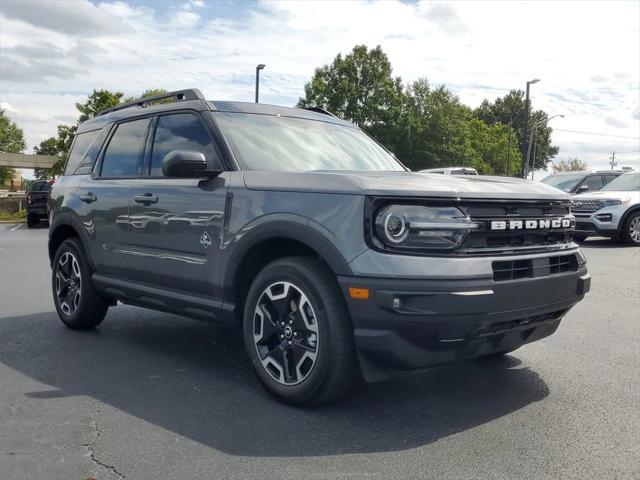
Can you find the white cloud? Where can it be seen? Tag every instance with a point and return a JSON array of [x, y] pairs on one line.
[[587, 57]]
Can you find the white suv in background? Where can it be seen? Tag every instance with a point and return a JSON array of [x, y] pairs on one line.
[[612, 212]]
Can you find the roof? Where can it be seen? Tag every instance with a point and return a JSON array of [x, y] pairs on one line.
[[139, 108]]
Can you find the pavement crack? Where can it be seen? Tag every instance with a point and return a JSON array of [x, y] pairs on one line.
[[90, 446]]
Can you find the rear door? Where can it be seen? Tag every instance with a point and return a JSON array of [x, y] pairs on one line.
[[176, 223], [106, 196]]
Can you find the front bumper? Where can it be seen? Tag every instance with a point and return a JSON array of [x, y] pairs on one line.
[[605, 221], [415, 323]]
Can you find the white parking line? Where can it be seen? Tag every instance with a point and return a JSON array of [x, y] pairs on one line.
[[15, 228]]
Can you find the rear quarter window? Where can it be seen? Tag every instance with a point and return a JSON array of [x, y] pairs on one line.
[[84, 151]]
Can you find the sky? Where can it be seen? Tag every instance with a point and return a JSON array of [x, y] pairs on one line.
[[586, 55]]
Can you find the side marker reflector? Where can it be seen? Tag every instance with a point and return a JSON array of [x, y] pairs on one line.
[[359, 293]]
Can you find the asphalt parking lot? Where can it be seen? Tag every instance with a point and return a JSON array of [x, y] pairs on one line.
[[153, 396]]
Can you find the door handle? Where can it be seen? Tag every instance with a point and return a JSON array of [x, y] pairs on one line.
[[146, 198], [88, 198]]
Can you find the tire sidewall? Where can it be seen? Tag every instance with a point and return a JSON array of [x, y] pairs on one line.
[[288, 273], [72, 245]]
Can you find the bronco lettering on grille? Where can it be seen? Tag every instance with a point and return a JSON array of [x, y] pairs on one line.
[[532, 224]]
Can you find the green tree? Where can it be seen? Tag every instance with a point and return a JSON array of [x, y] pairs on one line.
[[359, 87], [11, 141], [58, 146], [98, 100], [437, 130], [509, 110], [152, 92], [431, 127], [569, 165]]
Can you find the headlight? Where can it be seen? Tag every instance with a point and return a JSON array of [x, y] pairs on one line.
[[414, 227], [609, 202]]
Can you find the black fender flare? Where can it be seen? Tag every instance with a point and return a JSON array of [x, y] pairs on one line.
[[63, 220], [292, 227]]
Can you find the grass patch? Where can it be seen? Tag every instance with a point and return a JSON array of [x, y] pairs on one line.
[[9, 217]]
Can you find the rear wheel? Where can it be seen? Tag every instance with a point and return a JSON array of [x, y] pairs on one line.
[[32, 220], [298, 333], [631, 230], [78, 304]]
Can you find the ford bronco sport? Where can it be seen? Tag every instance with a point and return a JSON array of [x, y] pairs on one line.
[[293, 224]]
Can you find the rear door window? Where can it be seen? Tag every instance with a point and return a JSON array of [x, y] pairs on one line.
[[125, 149]]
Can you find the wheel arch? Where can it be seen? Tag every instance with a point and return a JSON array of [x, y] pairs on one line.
[[263, 244], [627, 214], [62, 228]]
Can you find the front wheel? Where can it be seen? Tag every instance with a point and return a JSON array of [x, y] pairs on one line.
[[78, 304], [631, 230], [298, 333]]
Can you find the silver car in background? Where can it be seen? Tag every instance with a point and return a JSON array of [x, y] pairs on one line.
[[613, 211]]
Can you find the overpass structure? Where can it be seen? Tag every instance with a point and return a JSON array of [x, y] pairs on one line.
[[22, 160]]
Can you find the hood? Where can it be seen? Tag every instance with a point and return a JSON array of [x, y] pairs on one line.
[[411, 184], [601, 195]]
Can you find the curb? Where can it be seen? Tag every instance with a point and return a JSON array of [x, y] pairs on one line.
[[13, 221]]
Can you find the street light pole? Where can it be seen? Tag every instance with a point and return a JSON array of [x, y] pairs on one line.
[[258, 68], [533, 138], [525, 140]]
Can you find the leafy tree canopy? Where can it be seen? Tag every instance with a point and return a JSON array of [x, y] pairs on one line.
[[11, 141], [98, 100], [570, 165], [425, 126], [359, 87], [509, 110]]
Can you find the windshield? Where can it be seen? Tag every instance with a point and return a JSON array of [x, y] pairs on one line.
[[563, 182], [268, 142], [624, 183]]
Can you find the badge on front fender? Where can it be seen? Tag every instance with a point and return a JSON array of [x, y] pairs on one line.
[[205, 240]]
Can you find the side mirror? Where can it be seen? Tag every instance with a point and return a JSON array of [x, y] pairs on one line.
[[583, 188], [186, 164]]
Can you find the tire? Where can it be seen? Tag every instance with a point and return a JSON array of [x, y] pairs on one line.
[[579, 238], [32, 221], [78, 304], [631, 231], [310, 358]]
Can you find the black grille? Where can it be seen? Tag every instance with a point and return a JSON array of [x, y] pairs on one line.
[[533, 267], [520, 324], [485, 240], [586, 206]]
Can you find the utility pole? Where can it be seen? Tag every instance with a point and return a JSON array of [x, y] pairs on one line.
[[258, 68], [613, 159], [509, 153], [525, 134]]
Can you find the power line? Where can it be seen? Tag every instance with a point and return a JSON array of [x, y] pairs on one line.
[[595, 133]]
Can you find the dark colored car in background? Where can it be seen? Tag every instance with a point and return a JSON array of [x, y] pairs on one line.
[[37, 202], [581, 182]]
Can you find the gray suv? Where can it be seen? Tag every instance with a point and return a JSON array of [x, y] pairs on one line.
[[332, 258]]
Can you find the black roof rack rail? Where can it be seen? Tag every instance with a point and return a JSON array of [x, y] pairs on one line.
[[320, 110], [177, 96]]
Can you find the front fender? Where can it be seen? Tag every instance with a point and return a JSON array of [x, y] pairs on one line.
[[285, 226]]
